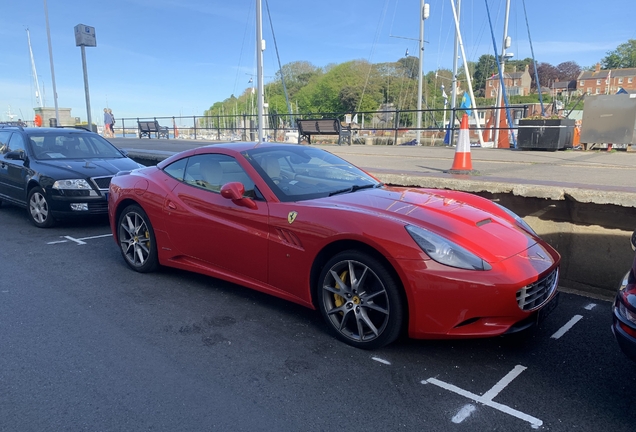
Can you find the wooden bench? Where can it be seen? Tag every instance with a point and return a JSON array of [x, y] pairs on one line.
[[146, 128], [309, 127]]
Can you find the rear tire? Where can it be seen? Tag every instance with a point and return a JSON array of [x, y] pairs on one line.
[[360, 300], [137, 239]]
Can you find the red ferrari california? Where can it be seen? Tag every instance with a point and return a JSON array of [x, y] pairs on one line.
[[302, 224]]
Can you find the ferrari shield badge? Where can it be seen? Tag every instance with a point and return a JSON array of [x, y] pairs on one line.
[[291, 217]]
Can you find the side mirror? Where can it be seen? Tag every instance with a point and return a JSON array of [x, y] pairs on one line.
[[633, 241], [16, 155], [235, 191]]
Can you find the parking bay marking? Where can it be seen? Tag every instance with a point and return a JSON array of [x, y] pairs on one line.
[[487, 398], [79, 241], [566, 327]]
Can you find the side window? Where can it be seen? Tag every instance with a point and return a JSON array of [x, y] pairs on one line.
[[211, 171], [4, 141], [16, 143], [176, 169]]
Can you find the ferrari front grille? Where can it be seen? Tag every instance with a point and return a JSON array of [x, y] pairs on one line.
[[533, 296]]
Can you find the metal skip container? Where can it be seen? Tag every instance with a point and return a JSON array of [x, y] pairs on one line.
[[609, 119]]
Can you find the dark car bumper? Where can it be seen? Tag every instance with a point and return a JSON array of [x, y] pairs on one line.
[[63, 207], [626, 342], [623, 325]]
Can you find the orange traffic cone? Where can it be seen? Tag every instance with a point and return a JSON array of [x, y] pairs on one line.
[[462, 163], [504, 141]]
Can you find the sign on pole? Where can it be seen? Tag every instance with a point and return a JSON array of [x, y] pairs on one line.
[[85, 37]]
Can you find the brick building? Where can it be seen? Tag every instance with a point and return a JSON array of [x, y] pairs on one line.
[[517, 84], [607, 81]]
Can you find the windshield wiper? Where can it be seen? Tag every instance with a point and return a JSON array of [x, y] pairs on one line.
[[355, 188]]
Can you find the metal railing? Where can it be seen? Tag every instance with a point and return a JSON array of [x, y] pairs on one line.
[[389, 126]]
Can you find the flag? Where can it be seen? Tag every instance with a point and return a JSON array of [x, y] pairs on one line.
[[466, 103]]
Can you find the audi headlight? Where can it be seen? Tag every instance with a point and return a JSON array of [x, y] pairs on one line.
[[523, 224], [75, 184], [445, 251]]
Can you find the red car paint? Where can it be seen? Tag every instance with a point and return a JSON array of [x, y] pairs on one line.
[[261, 249]]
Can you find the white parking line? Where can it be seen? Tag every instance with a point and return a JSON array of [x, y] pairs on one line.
[[79, 241], [486, 399], [590, 306], [378, 359], [497, 388], [566, 327]]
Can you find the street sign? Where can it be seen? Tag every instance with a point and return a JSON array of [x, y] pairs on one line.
[[85, 36]]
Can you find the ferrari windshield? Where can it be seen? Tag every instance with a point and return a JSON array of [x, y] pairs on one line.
[[68, 144], [299, 173]]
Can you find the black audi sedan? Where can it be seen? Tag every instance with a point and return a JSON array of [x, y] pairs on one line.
[[57, 173], [624, 308]]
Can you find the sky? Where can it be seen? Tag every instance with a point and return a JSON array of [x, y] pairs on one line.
[[158, 58]]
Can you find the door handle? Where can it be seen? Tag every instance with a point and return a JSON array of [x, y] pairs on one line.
[[171, 205]]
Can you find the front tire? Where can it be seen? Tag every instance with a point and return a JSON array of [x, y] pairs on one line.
[[38, 208], [360, 300], [137, 239]]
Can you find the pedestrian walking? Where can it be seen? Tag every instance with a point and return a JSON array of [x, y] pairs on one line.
[[108, 122]]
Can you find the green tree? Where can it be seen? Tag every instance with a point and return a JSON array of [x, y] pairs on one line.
[[624, 56], [485, 67]]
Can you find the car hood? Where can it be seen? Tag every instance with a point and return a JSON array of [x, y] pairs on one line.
[[80, 168], [491, 237]]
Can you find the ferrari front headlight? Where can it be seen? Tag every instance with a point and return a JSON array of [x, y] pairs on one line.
[[445, 251]]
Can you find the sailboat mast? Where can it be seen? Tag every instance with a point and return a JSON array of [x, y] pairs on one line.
[[38, 99], [469, 82], [280, 67], [260, 47], [502, 62]]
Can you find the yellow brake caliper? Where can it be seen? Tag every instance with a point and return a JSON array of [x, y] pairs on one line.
[[339, 300]]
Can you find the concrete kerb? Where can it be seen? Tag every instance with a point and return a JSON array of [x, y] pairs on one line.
[[470, 184]]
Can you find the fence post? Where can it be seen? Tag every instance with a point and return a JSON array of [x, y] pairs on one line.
[[194, 119], [397, 125], [218, 127], [123, 127]]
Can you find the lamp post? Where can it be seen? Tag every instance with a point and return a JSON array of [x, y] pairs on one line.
[[424, 14], [48, 37], [260, 47]]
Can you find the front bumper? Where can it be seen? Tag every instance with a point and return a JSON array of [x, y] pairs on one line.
[[446, 303], [61, 208]]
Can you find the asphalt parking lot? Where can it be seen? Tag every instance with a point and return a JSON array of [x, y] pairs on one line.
[[88, 344]]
